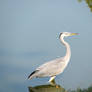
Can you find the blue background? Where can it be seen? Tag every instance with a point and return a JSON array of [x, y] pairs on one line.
[[29, 31]]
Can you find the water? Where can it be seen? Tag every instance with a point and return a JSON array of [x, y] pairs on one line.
[[28, 37]]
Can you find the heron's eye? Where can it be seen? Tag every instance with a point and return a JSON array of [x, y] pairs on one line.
[[67, 33]]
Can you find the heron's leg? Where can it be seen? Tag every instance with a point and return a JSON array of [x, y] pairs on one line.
[[52, 78]]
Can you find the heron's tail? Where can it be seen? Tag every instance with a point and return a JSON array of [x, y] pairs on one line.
[[32, 75]]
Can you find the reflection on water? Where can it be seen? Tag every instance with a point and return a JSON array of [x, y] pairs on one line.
[[53, 87], [89, 3]]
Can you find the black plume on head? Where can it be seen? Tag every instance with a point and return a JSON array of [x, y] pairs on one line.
[[60, 34]]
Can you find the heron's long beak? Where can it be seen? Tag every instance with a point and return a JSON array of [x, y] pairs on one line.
[[73, 34]]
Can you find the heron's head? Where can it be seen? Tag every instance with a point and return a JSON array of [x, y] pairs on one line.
[[66, 34]]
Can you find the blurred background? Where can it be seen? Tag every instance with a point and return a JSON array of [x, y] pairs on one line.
[[29, 31]]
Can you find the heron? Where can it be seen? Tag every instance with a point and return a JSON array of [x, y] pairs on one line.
[[54, 67]]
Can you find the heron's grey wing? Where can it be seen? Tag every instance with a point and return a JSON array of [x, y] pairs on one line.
[[50, 68], [50, 63]]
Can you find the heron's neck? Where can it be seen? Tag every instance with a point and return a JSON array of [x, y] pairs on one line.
[[68, 50]]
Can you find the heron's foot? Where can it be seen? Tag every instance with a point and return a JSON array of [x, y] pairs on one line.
[[53, 83]]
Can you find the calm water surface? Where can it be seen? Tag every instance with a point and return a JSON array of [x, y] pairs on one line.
[[28, 37]]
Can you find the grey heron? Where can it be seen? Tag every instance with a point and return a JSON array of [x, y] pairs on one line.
[[57, 66]]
